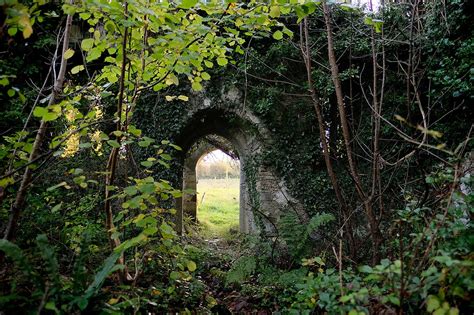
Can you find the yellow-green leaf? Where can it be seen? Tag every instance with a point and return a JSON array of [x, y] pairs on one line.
[[275, 11], [205, 76], [196, 86], [68, 53], [278, 35], [187, 4], [222, 61], [77, 69], [191, 265], [87, 44]]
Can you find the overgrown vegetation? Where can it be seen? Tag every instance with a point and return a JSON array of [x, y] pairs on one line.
[[371, 131]]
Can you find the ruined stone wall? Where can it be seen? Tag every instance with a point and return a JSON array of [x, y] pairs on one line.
[[263, 196]]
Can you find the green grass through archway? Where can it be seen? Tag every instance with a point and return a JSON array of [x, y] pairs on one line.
[[218, 206]]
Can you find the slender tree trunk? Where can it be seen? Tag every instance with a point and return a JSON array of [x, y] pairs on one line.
[[18, 205], [111, 168], [305, 49], [376, 112], [367, 202]]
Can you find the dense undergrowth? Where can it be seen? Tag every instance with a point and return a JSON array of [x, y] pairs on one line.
[[246, 274]]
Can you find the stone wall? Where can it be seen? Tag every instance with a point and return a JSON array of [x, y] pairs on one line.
[[263, 195]]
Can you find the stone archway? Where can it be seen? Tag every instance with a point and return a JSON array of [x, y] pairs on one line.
[[202, 147], [207, 130], [263, 196]]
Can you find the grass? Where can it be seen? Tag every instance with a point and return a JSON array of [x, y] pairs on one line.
[[218, 206]]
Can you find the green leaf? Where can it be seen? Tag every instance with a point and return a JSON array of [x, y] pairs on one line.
[[113, 143], [130, 190], [12, 31], [196, 86], [151, 230], [44, 113], [432, 303], [222, 61], [345, 298], [56, 208], [77, 69], [191, 265], [61, 184], [205, 76], [274, 11], [68, 53], [394, 300], [4, 81], [174, 275], [134, 131], [365, 269], [107, 268], [278, 35], [4, 182], [147, 163], [187, 4], [87, 44]]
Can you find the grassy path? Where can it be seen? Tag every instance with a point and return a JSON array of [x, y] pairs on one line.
[[218, 207]]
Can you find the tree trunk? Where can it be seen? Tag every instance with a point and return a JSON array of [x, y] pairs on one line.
[[18, 205], [346, 225], [111, 167], [365, 199]]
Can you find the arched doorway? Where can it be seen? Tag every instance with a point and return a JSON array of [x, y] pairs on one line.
[[190, 199], [235, 131]]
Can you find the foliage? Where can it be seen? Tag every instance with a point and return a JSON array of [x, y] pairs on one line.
[[241, 270], [298, 240], [46, 287]]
